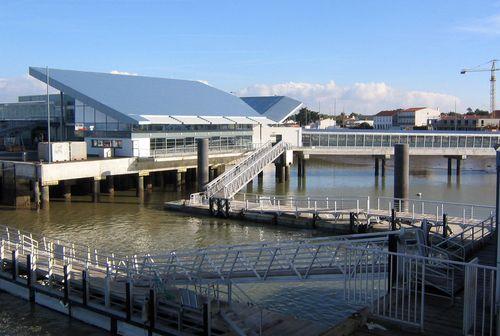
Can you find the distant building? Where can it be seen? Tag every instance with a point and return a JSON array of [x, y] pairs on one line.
[[24, 122], [466, 123], [148, 117], [324, 124], [405, 118], [384, 120]]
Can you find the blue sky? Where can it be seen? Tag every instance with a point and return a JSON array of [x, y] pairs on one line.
[[367, 55]]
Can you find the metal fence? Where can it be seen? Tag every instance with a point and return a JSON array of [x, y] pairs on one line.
[[405, 288]]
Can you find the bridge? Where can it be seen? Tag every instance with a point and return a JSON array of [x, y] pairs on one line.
[[325, 142]]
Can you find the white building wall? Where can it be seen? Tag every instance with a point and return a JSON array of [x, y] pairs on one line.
[[264, 133], [382, 122], [130, 147], [422, 116]]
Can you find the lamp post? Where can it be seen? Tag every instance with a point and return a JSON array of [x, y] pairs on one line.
[[48, 116]]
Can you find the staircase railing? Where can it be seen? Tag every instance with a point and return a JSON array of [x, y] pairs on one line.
[[218, 183]]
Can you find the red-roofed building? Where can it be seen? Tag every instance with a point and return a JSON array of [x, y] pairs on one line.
[[405, 118]]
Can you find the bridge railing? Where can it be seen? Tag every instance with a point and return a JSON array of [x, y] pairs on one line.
[[458, 213], [229, 183], [192, 149], [396, 287], [374, 139], [219, 182]]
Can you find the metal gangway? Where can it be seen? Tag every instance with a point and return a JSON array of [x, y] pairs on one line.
[[393, 283], [230, 182]]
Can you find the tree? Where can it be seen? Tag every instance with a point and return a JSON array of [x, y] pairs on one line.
[[305, 116], [363, 125]]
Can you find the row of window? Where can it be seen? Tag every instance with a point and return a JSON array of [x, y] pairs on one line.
[[215, 141], [374, 140]]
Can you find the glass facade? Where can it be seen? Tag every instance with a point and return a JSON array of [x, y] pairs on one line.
[[160, 144], [433, 140]]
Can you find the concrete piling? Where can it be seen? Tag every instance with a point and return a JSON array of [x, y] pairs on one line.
[[110, 181], [139, 192], [376, 166], [45, 196], [36, 193], [96, 189], [202, 163], [401, 175], [449, 166], [67, 190], [287, 173]]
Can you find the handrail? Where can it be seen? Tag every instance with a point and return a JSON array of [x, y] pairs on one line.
[[218, 183]]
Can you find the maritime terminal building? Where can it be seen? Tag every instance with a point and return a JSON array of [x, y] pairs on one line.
[[148, 117]]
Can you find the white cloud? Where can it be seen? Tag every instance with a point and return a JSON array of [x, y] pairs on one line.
[[12, 87], [488, 26], [367, 98], [118, 72]]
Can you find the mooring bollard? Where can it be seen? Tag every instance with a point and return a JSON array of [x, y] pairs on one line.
[[128, 301], [15, 266], [29, 282], [85, 288], [152, 309]]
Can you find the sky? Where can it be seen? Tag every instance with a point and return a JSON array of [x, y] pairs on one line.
[[352, 56]]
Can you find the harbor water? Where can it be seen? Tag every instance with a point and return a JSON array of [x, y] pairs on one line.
[[122, 224]]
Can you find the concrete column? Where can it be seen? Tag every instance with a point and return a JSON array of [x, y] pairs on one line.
[[280, 172], [459, 161], [161, 182], [299, 167], [149, 183], [382, 166], [178, 179], [376, 166], [110, 182], [287, 173], [45, 196], [96, 189], [260, 177], [36, 193], [202, 166], [67, 190], [303, 166], [140, 186], [211, 174], [401, 174], [449, 166], [250, 187]]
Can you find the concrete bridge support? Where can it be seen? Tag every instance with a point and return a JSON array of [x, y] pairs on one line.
[[459, 159], [260, 179], [401, 175], [280, 172], [110, 183], [301, 167], [36, 193], [287, 173], [45, 196], [380, 169], [202, 164], [149, 183], [96, 189], [67, 190], [139, 192]]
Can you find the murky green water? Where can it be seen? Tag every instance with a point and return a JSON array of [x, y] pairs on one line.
[[121, 224]]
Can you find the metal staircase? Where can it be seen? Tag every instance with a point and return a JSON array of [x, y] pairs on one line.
[[228, 184]]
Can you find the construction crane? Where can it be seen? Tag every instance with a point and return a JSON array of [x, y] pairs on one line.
[[492, 79]]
